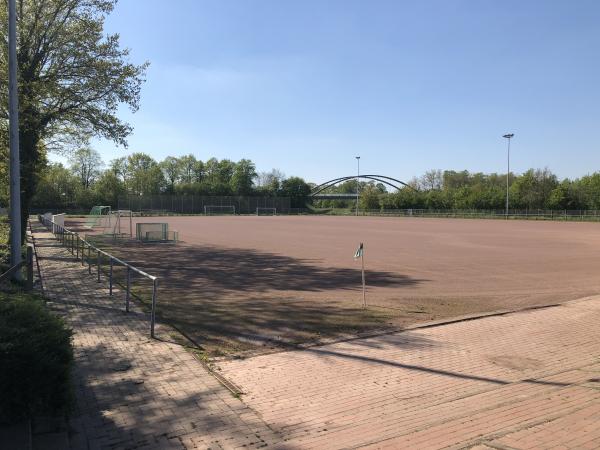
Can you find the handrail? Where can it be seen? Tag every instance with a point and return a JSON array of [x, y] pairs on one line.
[[27, 262], [58, 229], [7, 275]]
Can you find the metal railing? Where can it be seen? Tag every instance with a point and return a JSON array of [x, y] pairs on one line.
[[28, 263], [78, 247]]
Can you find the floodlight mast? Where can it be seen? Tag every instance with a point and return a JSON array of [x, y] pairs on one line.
[[15, 174], [357, 182], [507, 136]]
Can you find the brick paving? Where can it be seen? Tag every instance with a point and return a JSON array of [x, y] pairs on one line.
[[522, 380], [517, 381], [133, 392]]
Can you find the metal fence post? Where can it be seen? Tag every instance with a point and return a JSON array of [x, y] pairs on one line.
[[128, 289], [77, 247], [153, 312], [29, 285], [90, 259], [110, 277], [82, 252], [98, 264]]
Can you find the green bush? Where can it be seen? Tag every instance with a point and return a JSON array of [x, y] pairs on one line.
[[36, 356], [4, 249]]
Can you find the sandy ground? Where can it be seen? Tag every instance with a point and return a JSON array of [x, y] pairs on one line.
[[294, 279]]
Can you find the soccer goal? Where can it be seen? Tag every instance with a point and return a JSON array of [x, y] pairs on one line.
[[122, 223], [155, 232], [99, 216], [266, 211], [214, 210]]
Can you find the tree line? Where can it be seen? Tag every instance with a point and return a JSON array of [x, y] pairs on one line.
[[86, 181], [436, 189]]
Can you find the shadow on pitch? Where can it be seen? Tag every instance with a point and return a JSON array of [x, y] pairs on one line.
[[217, 270], [240, 299]]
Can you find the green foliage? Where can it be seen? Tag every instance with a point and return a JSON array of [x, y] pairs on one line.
[[171, 168], [534, 189], [369, 197], [108, 188], [297, 189], [73, 77], [4, 241], [242, 179], [144, 175], [86, 164], [35, 359]]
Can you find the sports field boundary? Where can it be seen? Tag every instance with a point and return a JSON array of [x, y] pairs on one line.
[[290, 347]]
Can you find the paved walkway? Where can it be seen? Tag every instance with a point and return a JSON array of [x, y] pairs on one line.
[[134, 392], [523, 380]]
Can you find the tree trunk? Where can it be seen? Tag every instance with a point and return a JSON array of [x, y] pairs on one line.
[[30, 167]]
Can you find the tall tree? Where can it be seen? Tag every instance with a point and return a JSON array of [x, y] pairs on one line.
[[86, 164], [72, 79], [171, 168], [187, 165], [243, 176], [297, 189], [145, 175], [270, 182]]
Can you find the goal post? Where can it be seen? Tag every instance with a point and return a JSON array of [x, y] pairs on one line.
[[213, 210], [155, 232], [122, 222], [266, 211], [98, 215]]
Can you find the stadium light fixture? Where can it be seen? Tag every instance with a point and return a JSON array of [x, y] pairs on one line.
[[507, 136], [357, 182]]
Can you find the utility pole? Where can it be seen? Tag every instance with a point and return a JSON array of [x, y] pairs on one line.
[[15, 172], [357, 182], [508, 136]]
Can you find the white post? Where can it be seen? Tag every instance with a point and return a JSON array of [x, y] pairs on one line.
[[15, 172], [362, 261]]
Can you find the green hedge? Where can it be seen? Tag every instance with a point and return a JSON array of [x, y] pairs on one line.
[[4, 249], [36, 356]]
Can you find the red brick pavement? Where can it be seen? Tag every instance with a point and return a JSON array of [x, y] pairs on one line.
[[522, 380], [134, 392]]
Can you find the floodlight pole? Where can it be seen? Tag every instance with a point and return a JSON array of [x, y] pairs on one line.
[[357, 182], [507, 136], [15, 172]]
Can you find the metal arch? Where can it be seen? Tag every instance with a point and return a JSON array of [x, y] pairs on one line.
[[351, 178], [381, 178], [331, 183]]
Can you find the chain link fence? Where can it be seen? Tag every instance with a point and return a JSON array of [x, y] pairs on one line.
[[537, 214], [195, 204]]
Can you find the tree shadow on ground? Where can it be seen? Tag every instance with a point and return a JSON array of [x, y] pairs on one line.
[[231, 300], [120, 405]]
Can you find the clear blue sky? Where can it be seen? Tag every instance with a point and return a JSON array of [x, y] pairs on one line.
[[305, 85]]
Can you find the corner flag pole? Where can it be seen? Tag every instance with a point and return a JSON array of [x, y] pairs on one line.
[[15, 171], [361, 254], [362, 261]]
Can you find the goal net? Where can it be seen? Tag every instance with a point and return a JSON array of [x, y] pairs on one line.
[[213, 210], [266, 211], [155, 232], [122, 223], [99, 216]]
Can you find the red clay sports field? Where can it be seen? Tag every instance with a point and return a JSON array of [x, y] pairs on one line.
[[242, 282]]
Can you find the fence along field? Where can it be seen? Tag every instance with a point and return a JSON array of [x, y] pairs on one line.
[[237, 283]]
